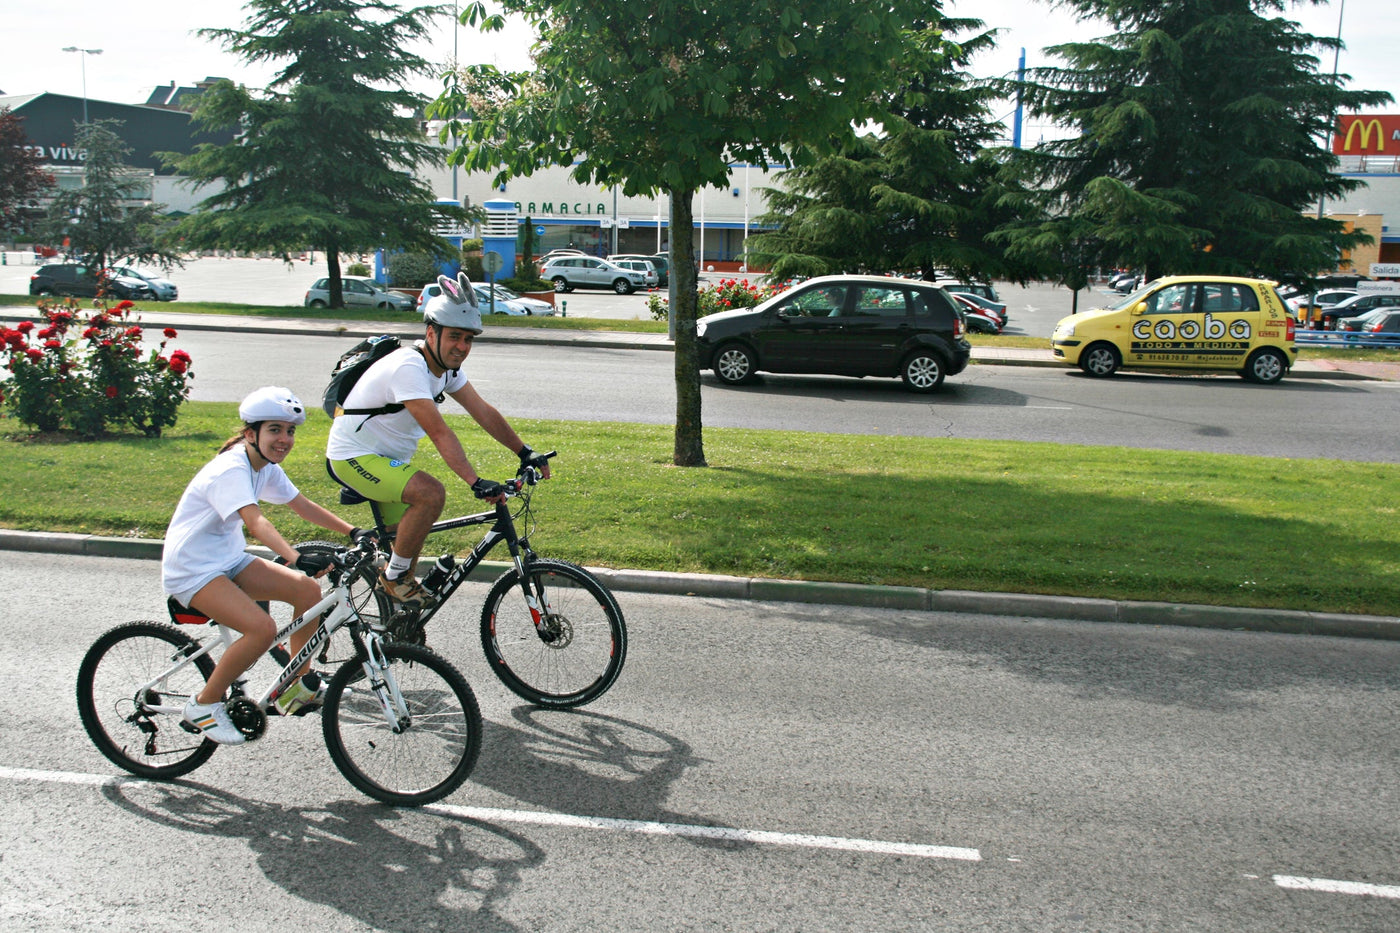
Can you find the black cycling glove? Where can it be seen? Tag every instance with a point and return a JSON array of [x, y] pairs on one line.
[[312, 564], [359, 534], [528, 458], [488, 489]]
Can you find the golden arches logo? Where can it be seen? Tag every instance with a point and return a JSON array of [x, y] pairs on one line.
[[1367, 127]]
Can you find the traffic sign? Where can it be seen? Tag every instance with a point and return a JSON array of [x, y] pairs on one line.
[[492, 262]]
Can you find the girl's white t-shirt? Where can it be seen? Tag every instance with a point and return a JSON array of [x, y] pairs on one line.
[[400, 377], [206, 532]]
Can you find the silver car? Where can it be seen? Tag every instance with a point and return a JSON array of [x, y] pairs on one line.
[[163, 288], [358, 292], [570, 272]]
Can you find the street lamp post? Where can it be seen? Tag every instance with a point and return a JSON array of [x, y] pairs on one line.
[[83, 54]]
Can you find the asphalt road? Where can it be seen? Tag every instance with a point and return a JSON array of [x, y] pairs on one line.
[[1299, 418], [771, 767]]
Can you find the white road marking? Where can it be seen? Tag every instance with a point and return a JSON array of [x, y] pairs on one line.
[[1328, 886], [643, 827]]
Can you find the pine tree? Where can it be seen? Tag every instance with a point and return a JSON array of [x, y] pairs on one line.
[[1200, 142], [325, 157]]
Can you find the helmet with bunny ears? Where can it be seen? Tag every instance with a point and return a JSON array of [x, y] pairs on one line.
[[455, 305]]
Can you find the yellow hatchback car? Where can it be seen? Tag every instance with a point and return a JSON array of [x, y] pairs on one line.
[[1185, 322]]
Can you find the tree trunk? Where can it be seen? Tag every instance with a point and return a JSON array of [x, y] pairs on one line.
[[690, 442], [337, 293]]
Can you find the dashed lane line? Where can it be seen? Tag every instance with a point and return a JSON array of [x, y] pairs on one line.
[[1329, 886]]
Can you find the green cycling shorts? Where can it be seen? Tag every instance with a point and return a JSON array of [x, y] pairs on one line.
[[378, 478]]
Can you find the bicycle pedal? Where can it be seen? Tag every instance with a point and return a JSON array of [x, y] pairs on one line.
[[190, 727]]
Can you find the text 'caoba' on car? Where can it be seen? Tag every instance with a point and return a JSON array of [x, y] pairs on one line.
[[1185, 322]]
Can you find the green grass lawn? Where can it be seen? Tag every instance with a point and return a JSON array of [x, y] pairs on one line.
[[949, 514]]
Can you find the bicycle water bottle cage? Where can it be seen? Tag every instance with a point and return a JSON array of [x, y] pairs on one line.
[[184, 615]]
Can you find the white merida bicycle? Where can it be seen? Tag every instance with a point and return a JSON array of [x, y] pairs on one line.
[[400, 722]]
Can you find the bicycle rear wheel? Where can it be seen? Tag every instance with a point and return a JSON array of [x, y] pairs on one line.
[[575, 654], [423, 762], [118, 719]]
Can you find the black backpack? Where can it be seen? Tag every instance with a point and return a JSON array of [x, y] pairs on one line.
[[350, 367]]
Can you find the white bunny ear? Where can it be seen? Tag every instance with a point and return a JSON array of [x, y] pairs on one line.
[[449, 287], [468, 293]]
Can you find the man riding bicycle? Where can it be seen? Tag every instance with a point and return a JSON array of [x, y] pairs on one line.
[[392, 407]]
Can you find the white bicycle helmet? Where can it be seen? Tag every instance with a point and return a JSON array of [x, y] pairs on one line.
[[272, 403], [455, 305]]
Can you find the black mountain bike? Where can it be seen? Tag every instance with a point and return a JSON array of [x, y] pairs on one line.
[[552, 631]]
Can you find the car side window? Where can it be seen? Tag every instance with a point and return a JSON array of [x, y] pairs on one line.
[[880, 302], [1222, 297], [1174, 299], [926, 303], [825, 301]]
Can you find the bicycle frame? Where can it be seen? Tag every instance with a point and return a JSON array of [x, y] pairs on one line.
[[334, 610]]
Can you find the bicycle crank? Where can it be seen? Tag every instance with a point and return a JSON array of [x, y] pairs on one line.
[[247, 717]]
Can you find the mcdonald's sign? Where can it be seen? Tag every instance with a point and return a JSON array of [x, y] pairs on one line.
[[1367, 134]]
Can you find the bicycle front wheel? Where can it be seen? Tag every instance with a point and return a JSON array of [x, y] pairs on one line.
[[434, 749], [575, 653], [117, 707]]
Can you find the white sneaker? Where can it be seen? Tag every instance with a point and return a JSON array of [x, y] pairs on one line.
[[213, 723]]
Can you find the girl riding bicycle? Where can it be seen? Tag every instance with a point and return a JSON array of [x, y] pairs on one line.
[[205, 567]]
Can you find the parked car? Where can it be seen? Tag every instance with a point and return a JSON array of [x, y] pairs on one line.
[[1124, 281], [571, 272], [981, 289], [1185, 322], [359, 292], [643, 266], [1327, 318], [1321, 298], [979, 320], [162, 288], [841, 325], [997, 308], [660, 263], [1361, 321], [76, 280], [507, 301], [1381, 331]]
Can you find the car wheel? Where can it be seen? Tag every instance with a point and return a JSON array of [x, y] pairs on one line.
[[923, 370], [622, 287], [1100, 359], [45, 292], [1265, 366], [734, 364], [317, 303], [561, 284]]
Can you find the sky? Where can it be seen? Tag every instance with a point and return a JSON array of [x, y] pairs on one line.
[[146, 43]]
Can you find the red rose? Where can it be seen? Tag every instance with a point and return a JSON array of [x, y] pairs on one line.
[[92, 332], [111, 391], [123, 306], [180, 355], [170, 332], [25, 327], [52, 344], [178, 364], [34, 354], [45, 333], [133, 331]]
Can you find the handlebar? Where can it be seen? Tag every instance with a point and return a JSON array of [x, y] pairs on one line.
[[526, 476]]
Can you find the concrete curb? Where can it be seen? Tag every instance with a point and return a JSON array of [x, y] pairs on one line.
[[716, 586]]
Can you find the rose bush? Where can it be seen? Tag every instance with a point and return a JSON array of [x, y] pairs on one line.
[[88, 374], [729, 293]]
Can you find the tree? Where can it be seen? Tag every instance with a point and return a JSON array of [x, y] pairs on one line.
[[109, 220], [22, 178], [921, 194], [325, 157], [664, 97], [1200, 141]]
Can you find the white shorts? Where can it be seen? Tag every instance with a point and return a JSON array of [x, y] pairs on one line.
[[234, 570]]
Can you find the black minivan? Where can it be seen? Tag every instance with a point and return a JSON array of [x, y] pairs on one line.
[[843, 325]]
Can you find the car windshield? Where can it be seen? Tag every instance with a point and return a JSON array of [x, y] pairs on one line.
[[1133, 298]]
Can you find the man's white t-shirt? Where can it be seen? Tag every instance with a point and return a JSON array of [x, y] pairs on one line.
[[400, 377], [206, 533]]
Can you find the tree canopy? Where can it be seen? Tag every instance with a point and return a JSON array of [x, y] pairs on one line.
[[1200, 143], [110, 219], [22, 176], [325, 157], [921, 193], [667, 97]]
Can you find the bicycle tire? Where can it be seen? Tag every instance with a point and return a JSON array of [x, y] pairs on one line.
[[580, 655], [120, 660], [423, 763]]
